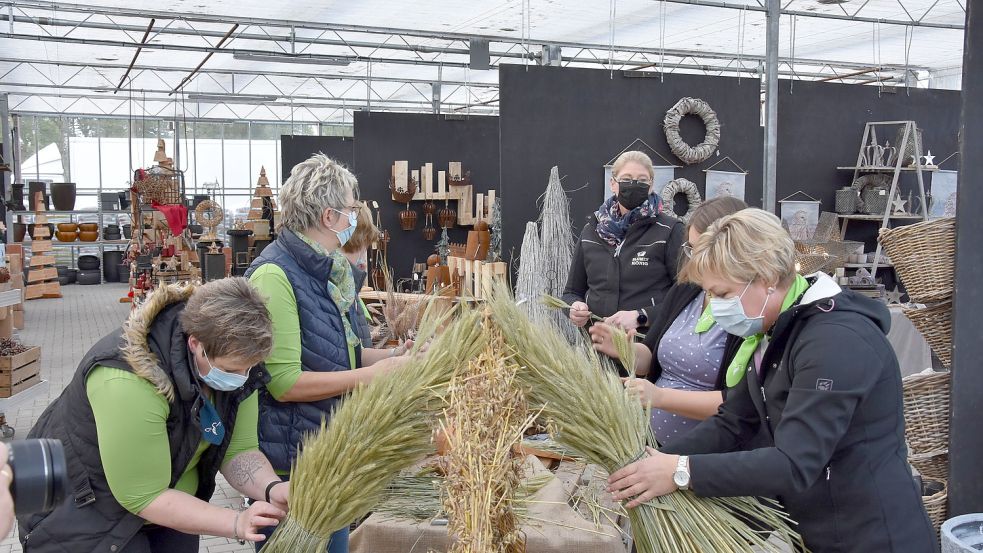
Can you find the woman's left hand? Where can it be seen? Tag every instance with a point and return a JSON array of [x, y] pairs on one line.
[[644, 479], [280, 496], [646, 391], [404, 349], [626, 320]]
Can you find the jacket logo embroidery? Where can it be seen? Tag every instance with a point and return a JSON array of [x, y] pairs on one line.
[[824, 384], [640, 259]]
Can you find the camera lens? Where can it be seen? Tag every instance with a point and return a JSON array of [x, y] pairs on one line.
[[40, 475]]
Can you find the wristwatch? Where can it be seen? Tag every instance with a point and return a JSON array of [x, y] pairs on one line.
[[681, 476], [642, 319]]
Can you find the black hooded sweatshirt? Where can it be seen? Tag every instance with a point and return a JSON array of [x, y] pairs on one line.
[[829, 404]]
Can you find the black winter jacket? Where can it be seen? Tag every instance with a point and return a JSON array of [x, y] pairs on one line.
[[91, 519], [635, 275], [829, 401]]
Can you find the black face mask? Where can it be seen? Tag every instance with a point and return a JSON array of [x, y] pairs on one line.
[[632, 194]]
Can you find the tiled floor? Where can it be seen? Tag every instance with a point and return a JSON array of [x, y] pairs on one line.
[[65, 329]]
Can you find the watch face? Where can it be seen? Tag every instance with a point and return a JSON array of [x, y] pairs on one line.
[[681, 479]]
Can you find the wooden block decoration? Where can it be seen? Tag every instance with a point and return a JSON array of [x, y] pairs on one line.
[[479, 204], [401, 175], [41, 246], [34, 291], [52, 289], [41, 260], [42, 275], [41, 231], [454, 169], [40, 219], [442, 184]]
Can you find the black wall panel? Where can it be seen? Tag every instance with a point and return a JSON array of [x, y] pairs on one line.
[[821, 124], [579, 119], [295, 149], [383, 138]]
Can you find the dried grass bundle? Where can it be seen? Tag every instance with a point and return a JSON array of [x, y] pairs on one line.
[[380, 429], [485, 417], [557, 242], [556, 303], [402, 315], [531, 282], [590, 411]]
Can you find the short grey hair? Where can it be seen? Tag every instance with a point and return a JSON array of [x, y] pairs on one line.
[[314, 185], [229, 317]]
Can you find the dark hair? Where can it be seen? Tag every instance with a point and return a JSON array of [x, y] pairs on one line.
[[714, 210]]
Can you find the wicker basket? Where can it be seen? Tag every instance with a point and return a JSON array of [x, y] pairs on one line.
[[161, 188], [926, 411], [936, 504], [846, 201], [934, 464], [923, 255], [935, 324], [837, 251], [809, 263]]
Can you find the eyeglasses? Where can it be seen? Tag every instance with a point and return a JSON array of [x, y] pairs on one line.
[[629, 182]]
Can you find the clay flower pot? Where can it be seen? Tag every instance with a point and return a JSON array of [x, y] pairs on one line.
[[20, 230], [64, 236], [63, 195], [89, 227], [88, 235], [68, 227]]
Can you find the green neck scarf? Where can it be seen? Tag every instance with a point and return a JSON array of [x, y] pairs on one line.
[[341, 285], [738, 366]]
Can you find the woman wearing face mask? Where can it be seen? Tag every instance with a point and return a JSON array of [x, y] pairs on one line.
[[683, 361], [628, 252], [317, 355], [823, 385], [154, 411]]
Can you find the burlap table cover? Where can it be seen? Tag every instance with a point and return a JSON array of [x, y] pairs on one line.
[[552, 526]]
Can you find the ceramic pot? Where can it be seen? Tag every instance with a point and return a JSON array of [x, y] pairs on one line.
[[35, 187], [88, 262], [64, 236], [68, 227], [88, 235], [124, 200], [63, 195], [20, 230], [89, 227], [127, 231], [17, 196]]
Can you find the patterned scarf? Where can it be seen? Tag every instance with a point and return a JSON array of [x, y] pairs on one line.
[[341, 286], [612, 225]]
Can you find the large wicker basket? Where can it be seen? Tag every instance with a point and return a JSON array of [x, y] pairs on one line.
[[838, 251], [923, 255], [926, 411], [936, 504], [809, 263], [935, 324], [934, 464]]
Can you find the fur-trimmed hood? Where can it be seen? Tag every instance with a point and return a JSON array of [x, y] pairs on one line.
[[137, 336]]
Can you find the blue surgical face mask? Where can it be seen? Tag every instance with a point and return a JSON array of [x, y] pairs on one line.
[[219, 380], [729, 314], [345, 235]]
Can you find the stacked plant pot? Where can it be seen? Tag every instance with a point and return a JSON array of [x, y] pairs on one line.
[[112, 232], [923, 256], [88, 272]]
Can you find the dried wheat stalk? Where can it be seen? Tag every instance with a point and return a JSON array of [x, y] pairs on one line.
[[485, 417]]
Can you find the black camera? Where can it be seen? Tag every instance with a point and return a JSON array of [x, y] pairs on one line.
[[40, 475]]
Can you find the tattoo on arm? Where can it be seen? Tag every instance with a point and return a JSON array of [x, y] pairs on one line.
[[242, 469]]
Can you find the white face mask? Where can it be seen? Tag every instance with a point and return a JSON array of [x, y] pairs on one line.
[[729, 314]]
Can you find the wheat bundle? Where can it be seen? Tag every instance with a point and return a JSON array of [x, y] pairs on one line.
[[485, 417], [380, 429], [590, 411]]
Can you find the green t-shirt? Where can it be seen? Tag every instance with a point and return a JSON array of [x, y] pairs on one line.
[[131, 423]]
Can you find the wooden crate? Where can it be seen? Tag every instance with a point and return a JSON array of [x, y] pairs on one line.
[[19, 372]]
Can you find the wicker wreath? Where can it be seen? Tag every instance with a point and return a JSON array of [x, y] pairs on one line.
[[701, 152], [681, 186], [209, 215]]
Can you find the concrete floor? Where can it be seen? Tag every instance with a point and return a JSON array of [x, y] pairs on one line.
[[65, 329]]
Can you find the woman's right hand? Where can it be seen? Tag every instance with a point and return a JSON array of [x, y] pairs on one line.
[[259, 515], [600, 335], [579, 313]]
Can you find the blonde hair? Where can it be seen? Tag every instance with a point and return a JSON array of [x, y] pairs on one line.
[[748, 245], [229, 317], [633, 155], [365, 232], [314, 185]]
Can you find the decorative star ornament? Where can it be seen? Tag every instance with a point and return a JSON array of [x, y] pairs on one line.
[[894, 296], [929, 159], [898, 205]]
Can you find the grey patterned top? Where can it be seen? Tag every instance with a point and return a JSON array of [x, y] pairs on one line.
[[690, 361]]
